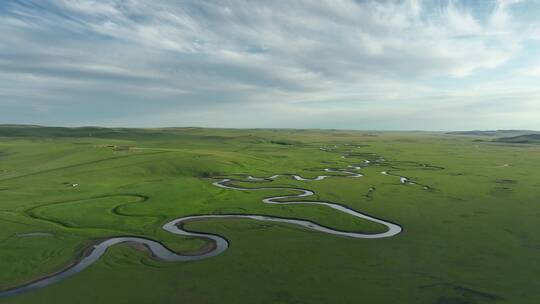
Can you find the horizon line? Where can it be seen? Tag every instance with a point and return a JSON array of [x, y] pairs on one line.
[[261, 128]]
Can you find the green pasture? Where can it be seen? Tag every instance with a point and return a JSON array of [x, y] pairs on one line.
[[471, 220]]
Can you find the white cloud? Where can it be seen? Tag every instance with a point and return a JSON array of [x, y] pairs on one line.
[[354, 55], [531, 71]]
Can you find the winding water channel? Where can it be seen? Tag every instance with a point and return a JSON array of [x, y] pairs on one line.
[[219, 243]]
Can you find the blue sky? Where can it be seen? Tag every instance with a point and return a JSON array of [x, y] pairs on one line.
[[389, 65]]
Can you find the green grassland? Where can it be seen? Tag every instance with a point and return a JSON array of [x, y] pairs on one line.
[[472, 237]]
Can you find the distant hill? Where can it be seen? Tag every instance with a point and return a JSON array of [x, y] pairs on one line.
[[193, 134], [495, 133], [40, 131], [521, 139]]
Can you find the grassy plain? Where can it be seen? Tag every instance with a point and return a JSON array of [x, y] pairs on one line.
[[473, 237]]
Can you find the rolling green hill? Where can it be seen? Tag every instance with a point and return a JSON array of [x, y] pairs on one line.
[[494, 133], [521, 139]]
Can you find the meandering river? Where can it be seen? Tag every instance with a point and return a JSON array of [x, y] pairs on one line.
[[219, 243]]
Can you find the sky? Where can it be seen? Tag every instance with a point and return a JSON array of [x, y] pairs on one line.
[[342, 64]]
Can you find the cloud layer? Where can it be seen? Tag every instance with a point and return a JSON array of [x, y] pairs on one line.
[[314, 64]]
